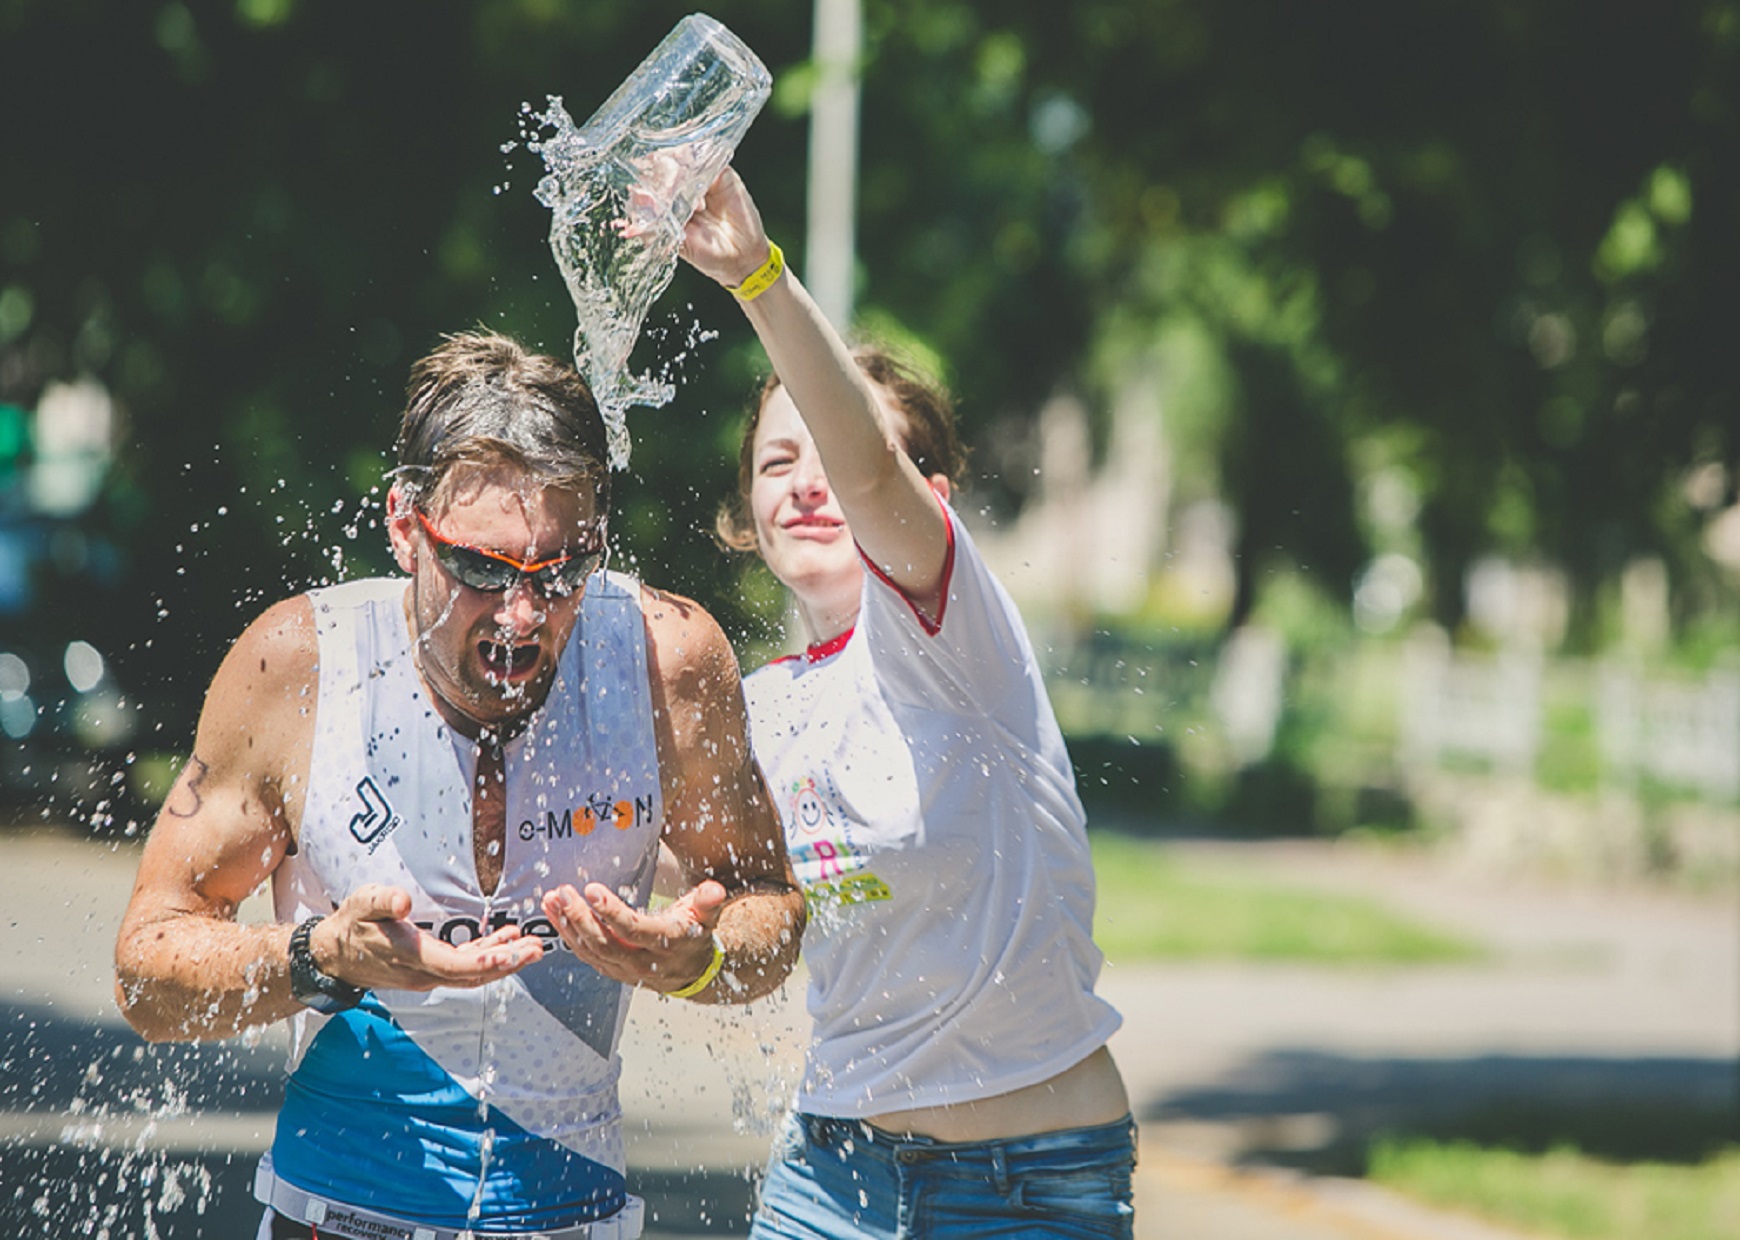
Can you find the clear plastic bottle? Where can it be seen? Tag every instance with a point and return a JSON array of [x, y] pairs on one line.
[[621, 187]]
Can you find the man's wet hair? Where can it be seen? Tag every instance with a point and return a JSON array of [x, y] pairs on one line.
[[482, 399]]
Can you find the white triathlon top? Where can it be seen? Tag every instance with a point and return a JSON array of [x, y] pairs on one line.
[[496, 1107], [931, 815]]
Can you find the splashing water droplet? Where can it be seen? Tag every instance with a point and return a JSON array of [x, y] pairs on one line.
[[621, 188], [614, 264]]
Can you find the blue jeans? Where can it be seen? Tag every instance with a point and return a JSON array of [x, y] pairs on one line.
[[841, 1179]]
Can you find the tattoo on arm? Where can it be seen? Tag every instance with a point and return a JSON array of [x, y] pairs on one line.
[[184, 799]]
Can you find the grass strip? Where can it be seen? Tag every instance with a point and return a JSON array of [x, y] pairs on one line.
[[1154, 905], [1565, 1193]]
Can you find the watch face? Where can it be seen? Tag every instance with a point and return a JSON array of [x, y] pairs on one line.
[[317, 991]]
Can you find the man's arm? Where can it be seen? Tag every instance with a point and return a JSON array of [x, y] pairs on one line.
[[185, 969], [720, 825]]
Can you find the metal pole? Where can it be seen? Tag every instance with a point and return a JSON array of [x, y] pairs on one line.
[[833, 184]]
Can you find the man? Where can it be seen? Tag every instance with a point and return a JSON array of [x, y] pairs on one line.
[[458, 785]]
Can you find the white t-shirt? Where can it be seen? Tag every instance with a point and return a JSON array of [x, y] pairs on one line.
[[931, 815]]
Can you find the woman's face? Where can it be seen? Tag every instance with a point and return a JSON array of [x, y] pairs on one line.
[[802, 531]]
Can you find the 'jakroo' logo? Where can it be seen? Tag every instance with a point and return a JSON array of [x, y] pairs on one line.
[[370, 824]]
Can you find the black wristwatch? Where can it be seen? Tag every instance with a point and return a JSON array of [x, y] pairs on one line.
[[308, 985]]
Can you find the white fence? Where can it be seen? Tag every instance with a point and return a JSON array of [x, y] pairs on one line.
[[1450, 706], [1470, 705], [1682, 731]]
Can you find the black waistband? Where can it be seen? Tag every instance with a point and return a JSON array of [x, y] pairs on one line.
[[289, 1229]]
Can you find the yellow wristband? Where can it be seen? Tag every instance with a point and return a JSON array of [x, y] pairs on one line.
[[707, 975], [762, 278]]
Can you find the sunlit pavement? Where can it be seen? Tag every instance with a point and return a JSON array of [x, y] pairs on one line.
[[1234, 1070]]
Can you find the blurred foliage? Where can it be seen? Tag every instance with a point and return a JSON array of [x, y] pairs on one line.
[[1478, 249]]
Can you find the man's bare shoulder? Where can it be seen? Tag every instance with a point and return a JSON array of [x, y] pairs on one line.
[[270, 678], [688, 650], [680, 627], [280, 646], [653, 599], [250, 754]]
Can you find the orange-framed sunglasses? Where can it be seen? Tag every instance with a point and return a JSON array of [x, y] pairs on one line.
[[493, 572]]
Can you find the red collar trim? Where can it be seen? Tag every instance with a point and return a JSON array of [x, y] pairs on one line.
[[931, 627], [826, 650]]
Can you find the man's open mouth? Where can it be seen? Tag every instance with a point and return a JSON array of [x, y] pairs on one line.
[[503, 662]]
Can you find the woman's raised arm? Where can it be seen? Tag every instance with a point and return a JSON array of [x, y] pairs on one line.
[[891, 508]]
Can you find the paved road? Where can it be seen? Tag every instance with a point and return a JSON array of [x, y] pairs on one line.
[[1254, 1085]]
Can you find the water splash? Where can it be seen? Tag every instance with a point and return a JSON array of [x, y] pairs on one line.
[[616, 256], [123, 1150], [621, 188]]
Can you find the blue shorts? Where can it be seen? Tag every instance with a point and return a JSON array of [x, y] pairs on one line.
[[841, 1179]]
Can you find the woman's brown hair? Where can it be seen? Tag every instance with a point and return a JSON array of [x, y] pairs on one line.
[[931, 439]]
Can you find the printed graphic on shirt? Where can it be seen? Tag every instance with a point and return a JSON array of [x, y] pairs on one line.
[[832, 871], [372, 824], [583, 819]]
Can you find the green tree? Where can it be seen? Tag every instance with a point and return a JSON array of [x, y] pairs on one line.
[[1486, 243]]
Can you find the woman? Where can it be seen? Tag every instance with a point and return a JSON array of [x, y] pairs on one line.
[[958, 1081]]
